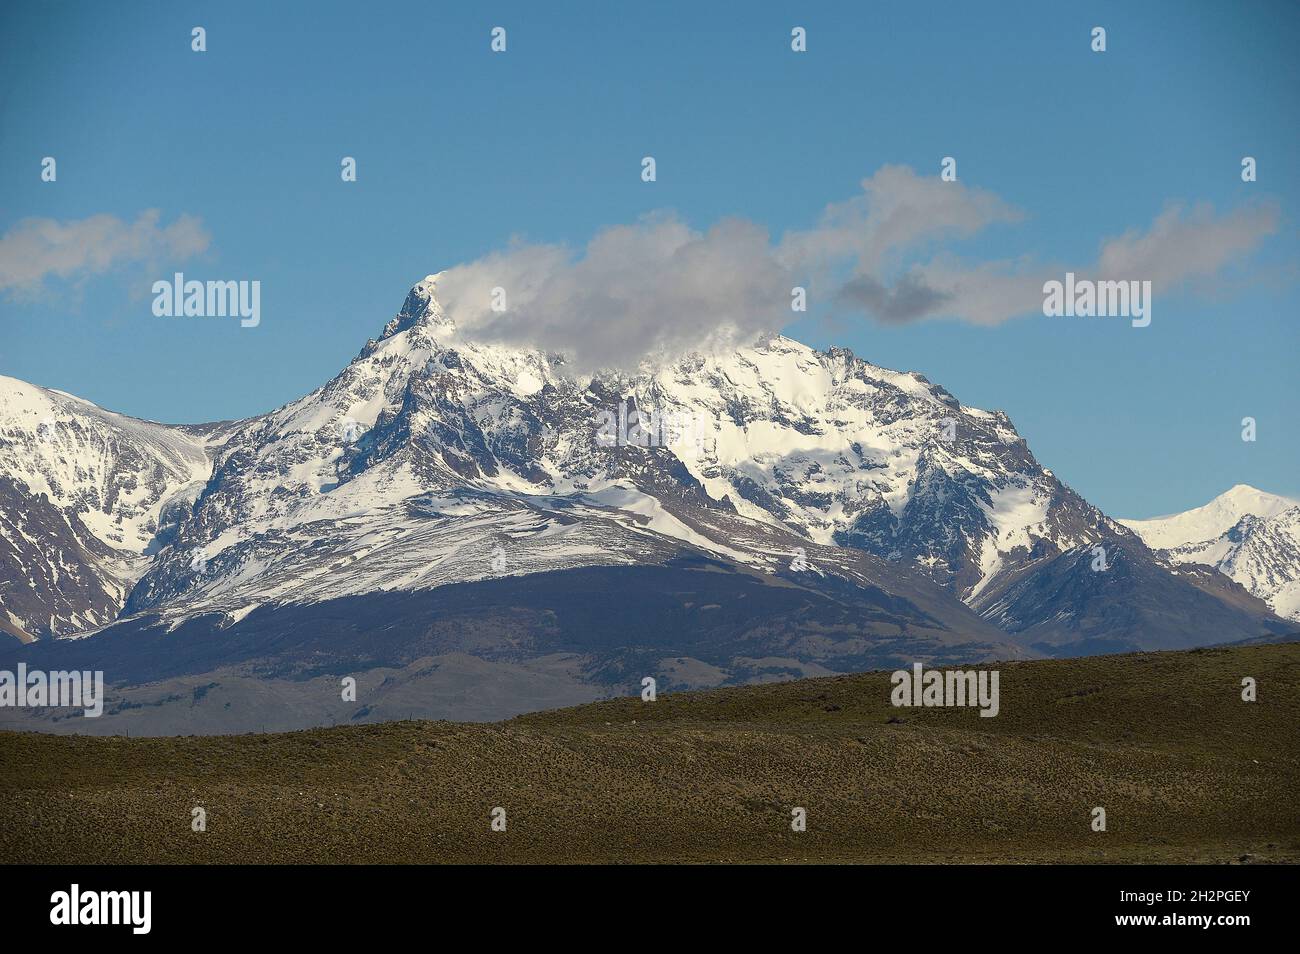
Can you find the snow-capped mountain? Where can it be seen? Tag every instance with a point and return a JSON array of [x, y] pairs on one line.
[[1250, 535], [429, 450], [755, 514], [789, 440], [82, 495]]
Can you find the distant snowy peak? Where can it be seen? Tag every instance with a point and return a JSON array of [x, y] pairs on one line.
[[1210, 521], [1248, 534]]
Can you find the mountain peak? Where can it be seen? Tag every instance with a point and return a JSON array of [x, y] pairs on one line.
[[1239, 491], [1245, 499], [421, 307], [1210, 520]]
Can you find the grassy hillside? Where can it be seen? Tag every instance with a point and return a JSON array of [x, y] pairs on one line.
[[1185, 770]]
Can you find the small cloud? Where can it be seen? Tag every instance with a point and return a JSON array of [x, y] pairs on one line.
[[910, 298], [1185, 244], [1182, 247], [37, 249], [898, 211]]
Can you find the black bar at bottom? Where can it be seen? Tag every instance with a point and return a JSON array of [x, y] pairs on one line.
[[331, 904]]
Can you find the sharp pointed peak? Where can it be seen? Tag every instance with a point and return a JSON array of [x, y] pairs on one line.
[[421, 307]]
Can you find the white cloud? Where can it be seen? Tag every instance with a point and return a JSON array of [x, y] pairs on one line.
[[1179, 248], [659, 287], [896, 212], [37, 249], [656, 287], [1183, 244]]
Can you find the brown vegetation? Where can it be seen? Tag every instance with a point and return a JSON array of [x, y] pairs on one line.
[[1185, 769]]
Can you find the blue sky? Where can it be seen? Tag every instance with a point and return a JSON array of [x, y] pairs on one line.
[[460, 149]]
